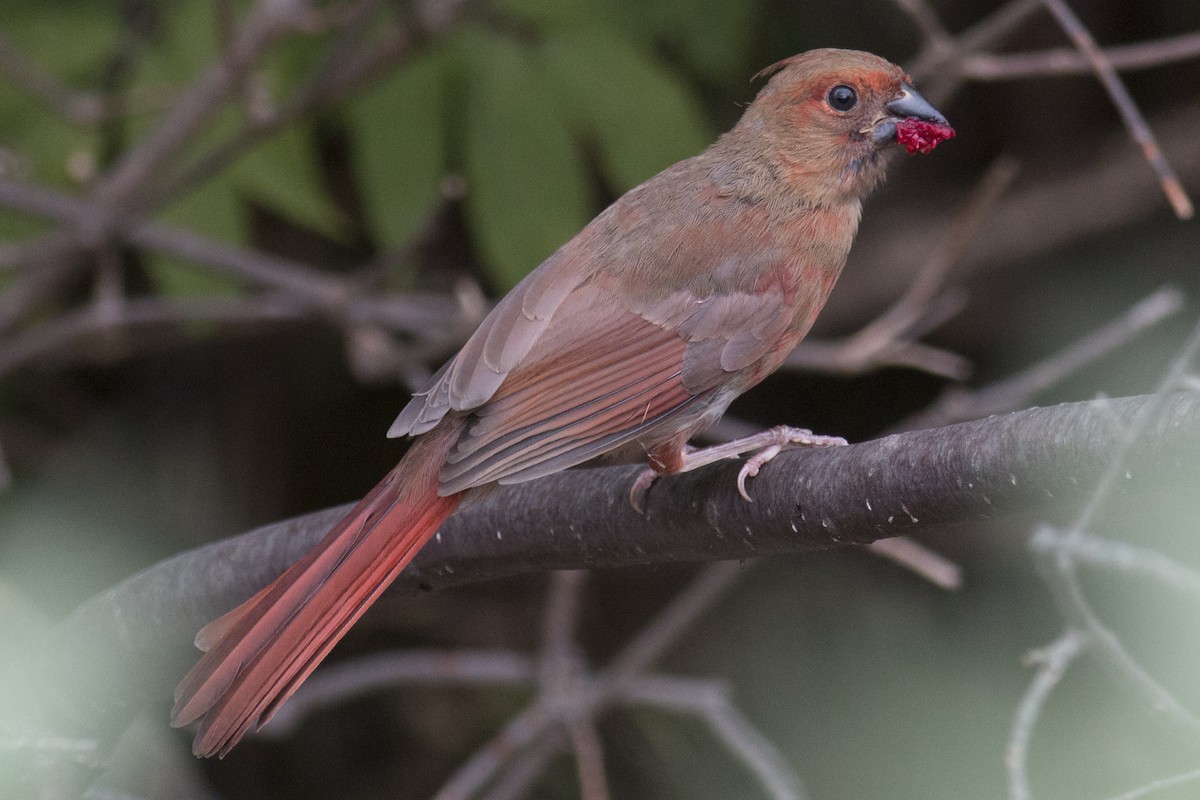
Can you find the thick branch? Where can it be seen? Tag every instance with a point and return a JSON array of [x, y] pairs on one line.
[[133, 641]]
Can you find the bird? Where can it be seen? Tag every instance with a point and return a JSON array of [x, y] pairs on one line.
[[632, 337]]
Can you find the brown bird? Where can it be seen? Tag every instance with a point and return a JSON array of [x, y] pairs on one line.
[[634, 335]]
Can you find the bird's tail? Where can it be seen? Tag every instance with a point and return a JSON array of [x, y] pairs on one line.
[[258, 654]]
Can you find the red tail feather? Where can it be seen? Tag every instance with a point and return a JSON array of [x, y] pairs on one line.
[[259, 653]]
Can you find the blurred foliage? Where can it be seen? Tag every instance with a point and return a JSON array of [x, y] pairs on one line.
[[518, 104]]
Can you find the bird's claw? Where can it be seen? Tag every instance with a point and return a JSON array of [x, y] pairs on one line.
[[782, 436], [640, 488], [752, 466]]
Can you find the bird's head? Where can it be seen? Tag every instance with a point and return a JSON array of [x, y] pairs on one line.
[[831, 118]]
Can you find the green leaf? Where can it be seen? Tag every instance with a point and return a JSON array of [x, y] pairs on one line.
[[400, 148], [526, 187], [640, 114]]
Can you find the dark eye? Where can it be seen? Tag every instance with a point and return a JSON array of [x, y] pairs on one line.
[[842, 98]]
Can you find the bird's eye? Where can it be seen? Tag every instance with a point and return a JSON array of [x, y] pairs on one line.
[[842, 97]]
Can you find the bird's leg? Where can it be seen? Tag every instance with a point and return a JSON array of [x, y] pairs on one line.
[[674, 458]]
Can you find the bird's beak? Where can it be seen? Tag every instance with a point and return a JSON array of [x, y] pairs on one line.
[[909, 104]]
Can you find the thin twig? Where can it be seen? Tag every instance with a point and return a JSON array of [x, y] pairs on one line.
[[340, 73], [589, 759], [81, 326], [524, 768], [524, 730], [888, 339], [959, 404], [78, 107], [198, 104], [420, 315], [336, 684], [1121, 98], [929, 67], [1120, 556], [920, 560], [927, 21], [710, 701], [1052, 661], [1064, 61], [1062, 575]]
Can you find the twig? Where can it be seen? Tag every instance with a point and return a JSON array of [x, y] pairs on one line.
[[1062, 576], [524, 768], [78, 107], [958, 404], [1130, 114], [336, 684], [927, 21], [81, 326], [1063, 61], [937, 82], [589, 758], [53, 260], [195, 106], [524, 730], [341, 72], [561, 619], [920, 560], [1052, 661], [5, 471], [710, 701], [888, 338], [421, 315], [1120, 556]]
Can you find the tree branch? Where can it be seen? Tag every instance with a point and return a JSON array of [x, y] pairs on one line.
[[130, 644]]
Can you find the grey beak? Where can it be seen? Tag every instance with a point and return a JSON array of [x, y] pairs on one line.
[[911, 104]]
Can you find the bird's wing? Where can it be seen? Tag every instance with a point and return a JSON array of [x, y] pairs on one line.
[[602, 375], [498, 345]]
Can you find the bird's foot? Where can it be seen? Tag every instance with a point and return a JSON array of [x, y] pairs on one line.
[[766, 445]]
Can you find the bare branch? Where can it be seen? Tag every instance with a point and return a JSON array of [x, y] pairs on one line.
[[1062, 61], [589, 759], [334, 685], [929, 68], [920, 560], [959, 404], [342, 71], [927, 21], [1052, 661], [78, 107], [417, 314], [710, 701], [1120, 556], [524, 730], [137, 636], [888, 340], [264, 25], [1130, 114]]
